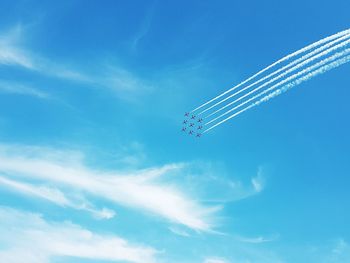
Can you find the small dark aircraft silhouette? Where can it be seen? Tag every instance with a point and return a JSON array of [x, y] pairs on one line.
[[183, 129], [198, 135], [193, 117], [190, 133], [200, 127], [191, 124], [186, 114], [200, 120], [184, 122]]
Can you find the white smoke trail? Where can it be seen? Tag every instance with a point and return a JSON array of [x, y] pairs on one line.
[[295, 62], [322, 62], [286, 80], [296, 53], [288, 86]]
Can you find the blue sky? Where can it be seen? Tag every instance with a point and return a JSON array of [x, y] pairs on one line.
[[94, 168]]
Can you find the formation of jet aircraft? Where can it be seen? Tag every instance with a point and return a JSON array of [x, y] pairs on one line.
[[191, 125]]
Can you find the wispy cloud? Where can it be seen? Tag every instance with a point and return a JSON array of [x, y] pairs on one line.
[[146, 190], [143, 30], [215, 260], [13, 52], [257, 240], [178, 231], [27, 236], [57, 197], [122, 82], [340, 251], [216, 186], [21, 89], [258, 181], [333, 251]]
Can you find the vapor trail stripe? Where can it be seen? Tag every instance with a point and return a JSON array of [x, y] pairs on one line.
[[324, 53], [308, 76], [321, 70], [304, 71], [343, 44], [307, 48], [315, 51]]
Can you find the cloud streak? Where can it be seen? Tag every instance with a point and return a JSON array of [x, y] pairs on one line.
[[21, 89], [124, 83], [10, 53], [28, 236], [257, 240], [145, 190], [215, 260], [57, 197]]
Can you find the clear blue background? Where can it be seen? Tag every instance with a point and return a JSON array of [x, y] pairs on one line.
[[185, 52]]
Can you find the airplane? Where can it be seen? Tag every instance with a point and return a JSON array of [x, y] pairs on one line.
[[184, 122], [200, 120], [186, 114], [200, 127], [184, 129], [198, 135], [191, 124], [190, 133], [193, 117]]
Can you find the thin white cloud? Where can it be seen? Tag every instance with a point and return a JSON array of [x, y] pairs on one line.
[[21, 89], [57, 197], [143, 30], [28, 237], [257, 240], [215, 260], [340, 251], [141, 189], [13, 56], [258, 181], [332, 251], [216, 186], [48, 193], [340, 247], [178, 231], [123, 82], [13, 52], [10, 53]]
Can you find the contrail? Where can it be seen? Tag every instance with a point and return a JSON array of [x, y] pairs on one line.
[[300, 51], [290, 85], [308, 55], [324, 53], [286, 80]]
